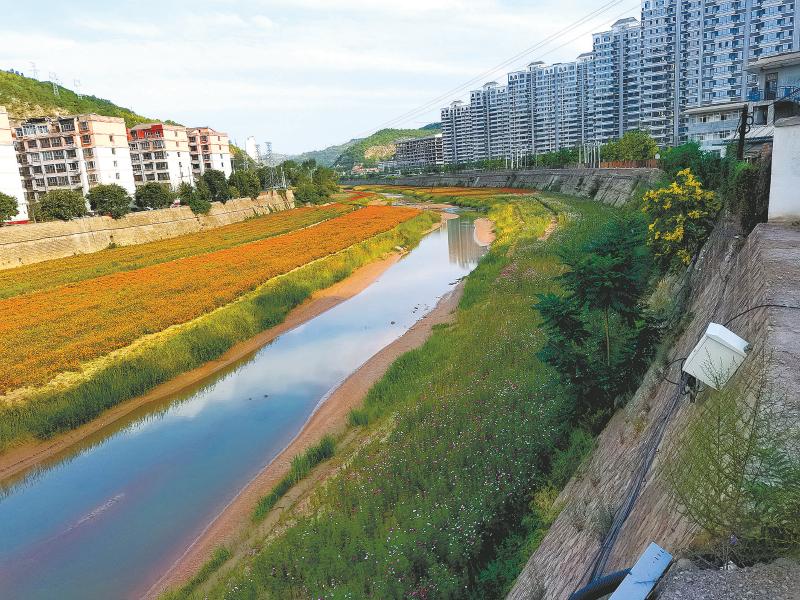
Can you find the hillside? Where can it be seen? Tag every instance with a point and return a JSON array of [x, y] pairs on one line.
[[24, 97], [369, 150]]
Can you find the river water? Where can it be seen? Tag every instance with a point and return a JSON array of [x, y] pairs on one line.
[[104, 519]]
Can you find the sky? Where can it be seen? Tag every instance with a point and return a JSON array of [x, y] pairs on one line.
[[303, 74]]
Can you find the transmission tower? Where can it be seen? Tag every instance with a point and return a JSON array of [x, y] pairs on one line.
[[272, 176], [34, 70], [53, 77], [76, 83]]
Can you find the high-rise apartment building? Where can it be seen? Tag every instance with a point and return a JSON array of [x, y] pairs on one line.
[[616, 57], [682, 56], [209, 149], [10, 182], [160, 153], [696, 53], [456, 133], [72, 152]]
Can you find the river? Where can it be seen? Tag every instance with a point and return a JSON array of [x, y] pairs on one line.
[[103, 521]]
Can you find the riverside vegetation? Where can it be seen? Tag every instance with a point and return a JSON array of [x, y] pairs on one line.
[[308, 260], [482, 432]]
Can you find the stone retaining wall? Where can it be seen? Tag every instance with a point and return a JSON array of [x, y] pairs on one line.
[[611, 186], [729, 279], [36, 242]]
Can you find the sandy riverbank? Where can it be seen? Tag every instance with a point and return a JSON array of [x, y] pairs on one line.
[[331, 417]]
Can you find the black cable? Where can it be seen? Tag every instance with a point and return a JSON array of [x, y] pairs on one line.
[[751, 309]]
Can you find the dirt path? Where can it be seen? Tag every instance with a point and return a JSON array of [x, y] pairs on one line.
[[550, 229], [231, 525]]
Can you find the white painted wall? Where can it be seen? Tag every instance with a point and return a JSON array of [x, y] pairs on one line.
[[784, 196], [180, 168], [114, 167], [10, 180]]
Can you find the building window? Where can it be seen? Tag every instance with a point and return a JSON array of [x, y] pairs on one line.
[[86, 139]]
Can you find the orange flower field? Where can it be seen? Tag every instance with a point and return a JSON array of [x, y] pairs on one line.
[[54, 330], [53, 273]]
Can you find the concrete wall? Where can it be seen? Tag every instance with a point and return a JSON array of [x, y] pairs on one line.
[[727, 281], [784, 196], [26, 244], [612, 186]]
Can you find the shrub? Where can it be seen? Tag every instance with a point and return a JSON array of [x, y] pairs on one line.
[[8, 207], [61, 205], [233, 192], [681, 217], [735, 471], [111, 199], [707, 166], [154, 195]]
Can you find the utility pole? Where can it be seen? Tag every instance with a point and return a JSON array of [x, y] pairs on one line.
[[742, 132]]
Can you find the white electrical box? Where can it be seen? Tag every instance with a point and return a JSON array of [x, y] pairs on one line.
[[716, 356]]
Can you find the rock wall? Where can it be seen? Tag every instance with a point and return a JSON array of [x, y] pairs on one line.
[[36, 242], [612, 186], [731, 276]]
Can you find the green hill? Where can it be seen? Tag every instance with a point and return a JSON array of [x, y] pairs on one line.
[[368, 151], [24, 97]]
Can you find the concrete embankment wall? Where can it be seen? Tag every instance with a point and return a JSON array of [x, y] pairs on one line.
[[730, 277], [37, 242], [611, 186]]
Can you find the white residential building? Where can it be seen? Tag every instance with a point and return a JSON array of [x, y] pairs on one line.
[[10, 182], [160, 153], [209, 149], [456, 133], [72, 152]]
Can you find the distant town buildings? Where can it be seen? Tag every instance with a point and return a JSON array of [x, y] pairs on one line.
[[665, 74], [10, 182], [78, 152], [160, 153], [209, 149], [72, 152], [419, 152]]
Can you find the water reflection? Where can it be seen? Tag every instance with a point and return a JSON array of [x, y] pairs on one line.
[[464, 249]]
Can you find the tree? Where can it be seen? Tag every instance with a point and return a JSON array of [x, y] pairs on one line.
[[217, 185], [634, 145], [8, 207], [154, 195], [246, 182], [111, 199], [197, 198], [60, 204], [681, 216], [637, 145]]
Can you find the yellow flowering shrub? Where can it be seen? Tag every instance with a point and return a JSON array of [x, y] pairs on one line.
[[681, 216]]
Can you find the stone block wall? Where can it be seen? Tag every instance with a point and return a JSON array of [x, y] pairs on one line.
[[36, 242]]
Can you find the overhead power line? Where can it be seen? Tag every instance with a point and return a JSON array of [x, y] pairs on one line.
[[517, 57]]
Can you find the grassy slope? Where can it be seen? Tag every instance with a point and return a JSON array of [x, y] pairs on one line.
[[139, 368], [25, 97], [53, 273], [355, 153], [476, 418]]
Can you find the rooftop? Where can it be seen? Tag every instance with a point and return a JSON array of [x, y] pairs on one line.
[[787, 59]]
